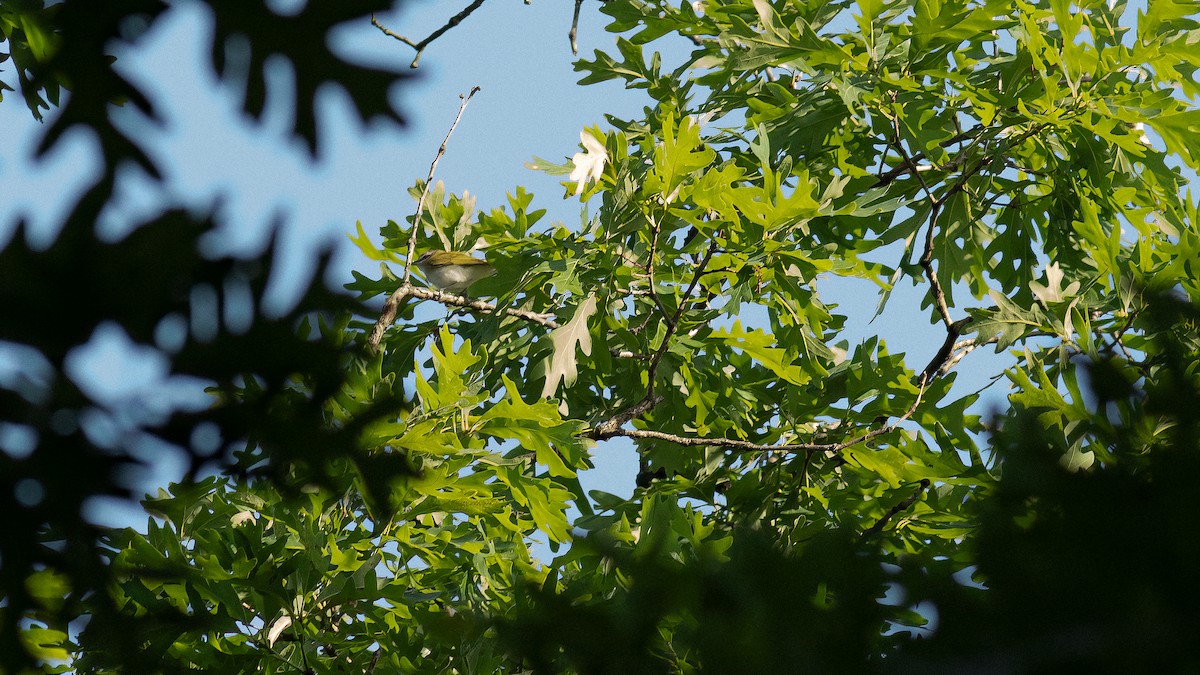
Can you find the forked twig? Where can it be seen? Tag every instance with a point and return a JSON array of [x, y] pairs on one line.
[[420, 46]]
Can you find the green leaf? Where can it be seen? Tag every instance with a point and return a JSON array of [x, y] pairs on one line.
[[45, 643], [550, 168], [538, 427], [680, 153], [364, 244], [545, 502], [759, 345]]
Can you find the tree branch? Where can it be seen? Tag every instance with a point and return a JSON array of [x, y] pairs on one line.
[[961, 349], [950, 353], [388, 316], [389, 33], [926, 262], [888, 177], [940, 364], [608, 429], [420, 46], [654, 232], [612, 426], [673, 320], [935, 205]]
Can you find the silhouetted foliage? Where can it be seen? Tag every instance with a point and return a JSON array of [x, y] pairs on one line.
[[272, 375]]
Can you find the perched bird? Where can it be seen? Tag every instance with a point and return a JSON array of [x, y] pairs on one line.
[[452, 271]]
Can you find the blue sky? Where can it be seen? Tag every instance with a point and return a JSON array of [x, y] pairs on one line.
[[529, 106]]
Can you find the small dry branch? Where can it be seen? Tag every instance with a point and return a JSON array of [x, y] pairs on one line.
[[420, 46]]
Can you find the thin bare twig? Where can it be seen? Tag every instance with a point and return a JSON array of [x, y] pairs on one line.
[[575, 29], [420, 46], [412, 236], [654, 232], [961, 349], [1119, 335], [888, 177], [964, 347], [708, 254], [926, 262], [392, 306], [692, 441], [389, 33]]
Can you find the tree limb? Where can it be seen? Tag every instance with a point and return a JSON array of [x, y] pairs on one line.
[[612, 427], [673, 320], [388, 316], [935, 205], [940, 364]]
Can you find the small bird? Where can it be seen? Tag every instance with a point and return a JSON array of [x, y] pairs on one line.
[[452, 271]]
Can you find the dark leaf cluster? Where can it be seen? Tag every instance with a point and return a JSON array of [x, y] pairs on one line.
[[273, 374]]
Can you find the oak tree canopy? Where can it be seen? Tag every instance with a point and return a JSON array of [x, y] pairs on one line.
[[398, 491]]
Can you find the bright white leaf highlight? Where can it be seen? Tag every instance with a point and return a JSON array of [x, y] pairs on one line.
[[589, 164], [277, 629], [565, 338], [1053, 291]]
